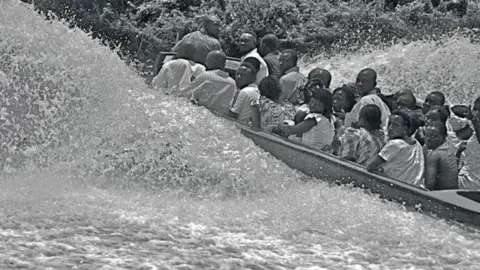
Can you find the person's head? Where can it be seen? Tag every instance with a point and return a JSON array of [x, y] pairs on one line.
[[268, 44], [400, 125], [216, 60], [435, 98], [325, 76], [321, 102], [315, 74], [288, 59], [247, 72], [437, 113], [248, 41], [211, 24], [343, 99], [270, 88], [366, 81], [187, 52], [370, 117], [405, 101], [476, 105], [435, 134]]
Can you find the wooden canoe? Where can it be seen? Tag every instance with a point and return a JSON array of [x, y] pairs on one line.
[[458, 205]]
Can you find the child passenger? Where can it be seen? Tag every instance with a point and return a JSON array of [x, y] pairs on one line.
[[317, 128], [441, 166], [402, 157], [362, 145]]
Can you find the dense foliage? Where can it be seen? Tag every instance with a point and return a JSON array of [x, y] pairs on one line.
[[142, 28]]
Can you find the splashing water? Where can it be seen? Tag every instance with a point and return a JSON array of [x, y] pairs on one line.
[[92, 126]]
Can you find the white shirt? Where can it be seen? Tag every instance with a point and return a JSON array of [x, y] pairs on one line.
[[243, 103], [366, 100], [320, 137], [263, 72], [176, 74]]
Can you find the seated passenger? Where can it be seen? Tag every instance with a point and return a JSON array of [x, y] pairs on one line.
[[343, 102], [213, 89], [245, 80], [441, 165], [469, 176], [269, 51], [365, 84], [435, 98], [326, 78], [248, 47], [291, 77], [269, 111], [178, 73], [402, 156], [435, 114], [317, 128], [304, 91], [362, 145]]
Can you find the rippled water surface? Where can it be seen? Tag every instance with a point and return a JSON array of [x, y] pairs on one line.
[[101, 200]]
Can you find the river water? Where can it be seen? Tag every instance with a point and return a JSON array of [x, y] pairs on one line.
[[114, 176]]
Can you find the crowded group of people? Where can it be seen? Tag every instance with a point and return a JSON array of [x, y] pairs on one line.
[[433, 145]]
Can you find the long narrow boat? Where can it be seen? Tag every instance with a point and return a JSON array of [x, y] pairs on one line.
[[459, 205]]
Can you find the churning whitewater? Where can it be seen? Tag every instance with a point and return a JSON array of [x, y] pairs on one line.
[[100, 172]]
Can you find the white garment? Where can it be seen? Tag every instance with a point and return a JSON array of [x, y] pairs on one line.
[[320, 137], [176, 74], [366, 100], [243, 103], [469, 176], [263, 72]]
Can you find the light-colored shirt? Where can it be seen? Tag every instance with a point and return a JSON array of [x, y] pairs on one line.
[[290, 82], [176, 74], [404, 162], [360, 144], [320, 137], [371, 98], [263, 72], [243, 104], [213, 89], [469, 176], [203, 44]]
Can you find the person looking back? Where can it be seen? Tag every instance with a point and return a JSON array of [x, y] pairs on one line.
[[213, 89], [365, 86], [241, 108], [402, 156], [205, 40], [269, 51], [291, 77], [247, 46]]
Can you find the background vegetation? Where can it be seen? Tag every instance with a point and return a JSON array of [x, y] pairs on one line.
[[142, 28]]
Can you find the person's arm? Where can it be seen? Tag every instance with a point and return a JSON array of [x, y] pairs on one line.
[[191, 88], [375, 164], [256, 118], [431, 169], [238, 105], [299, 128]]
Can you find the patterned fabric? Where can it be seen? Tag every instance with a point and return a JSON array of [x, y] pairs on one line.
[[176, 74], [243, 103], [291, 81], [272, 113], [213, 89], [366, 100], [320, 137], [263, 72], [203, 44], [273, 64], [404, 162], [361, 145]]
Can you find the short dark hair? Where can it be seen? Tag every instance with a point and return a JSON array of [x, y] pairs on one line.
[[270, 88], [326, 98], [270, 41], [440, 95], [409, 119], [373, 115], [251, 33], [442, 111], [350, 97]]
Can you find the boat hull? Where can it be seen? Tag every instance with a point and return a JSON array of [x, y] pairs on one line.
[[458, 205]]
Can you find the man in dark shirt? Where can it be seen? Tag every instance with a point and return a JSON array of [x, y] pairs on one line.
[[269, 52]]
